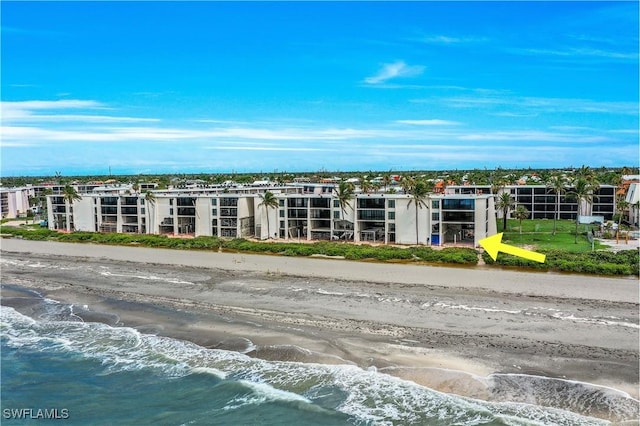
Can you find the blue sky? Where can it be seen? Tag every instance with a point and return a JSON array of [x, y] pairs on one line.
[[153, 87]]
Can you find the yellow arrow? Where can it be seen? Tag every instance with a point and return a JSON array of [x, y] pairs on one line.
[[494, 244]]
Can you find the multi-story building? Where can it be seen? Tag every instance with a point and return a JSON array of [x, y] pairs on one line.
[[540, 200], [14, 202], [304, 212]]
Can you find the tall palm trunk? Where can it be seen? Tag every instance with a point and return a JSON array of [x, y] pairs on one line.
[[417, 235], [575, 239], [268, 228]]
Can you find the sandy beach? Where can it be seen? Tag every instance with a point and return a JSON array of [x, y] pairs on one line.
[[447, 328]]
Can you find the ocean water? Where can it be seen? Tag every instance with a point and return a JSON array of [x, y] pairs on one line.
[[57, 365]]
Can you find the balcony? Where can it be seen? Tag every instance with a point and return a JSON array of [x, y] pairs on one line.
[[465, 204], [320, 214], [297, 213], [375, 215], [109, 201], [229, 223], [322, 203], [371, 203], [297, 202], [167, 221], [186, 202], [186, 211], [228, 202], [228, 212]]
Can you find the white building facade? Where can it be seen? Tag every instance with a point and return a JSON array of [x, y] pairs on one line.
[[14, 202], [304, 212]]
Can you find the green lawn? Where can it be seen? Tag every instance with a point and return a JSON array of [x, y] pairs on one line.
[[537, 233]]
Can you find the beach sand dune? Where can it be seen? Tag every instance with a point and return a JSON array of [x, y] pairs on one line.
[[450, 329]]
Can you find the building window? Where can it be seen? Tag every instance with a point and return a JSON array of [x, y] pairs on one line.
[[459, 204], [214, 201], [171, 202], [281, 213], [392, 215], [391, 204], [281, 203], [171, 212], [336, 203], [336, 214], [435, 216], [435, 204], [214, 212]]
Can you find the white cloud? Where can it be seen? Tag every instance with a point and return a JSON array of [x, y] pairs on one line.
[[34, 111], [395, 70], [433, 122], [578, 52], [528, 104], [532, 136], [268, 148]]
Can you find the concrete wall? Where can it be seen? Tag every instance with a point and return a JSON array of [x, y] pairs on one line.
[[406, 222], [163, 211], [83, 215], [204, 216]]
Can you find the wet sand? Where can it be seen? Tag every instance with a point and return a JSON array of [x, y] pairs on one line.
[[446, 328]]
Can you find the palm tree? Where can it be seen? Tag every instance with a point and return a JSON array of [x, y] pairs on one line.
[[621, 206], [419, 192], [520, 213], [505, 203], [365, 185], [407, 184], [556, 184], [150, 200], [268, 201], [70, 195], [345, 193], [386, 180], [585, 172], [582, 191]]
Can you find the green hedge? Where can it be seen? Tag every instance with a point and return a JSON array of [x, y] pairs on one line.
[[357, 252], [160, 241], [463, 256], [599, 262]]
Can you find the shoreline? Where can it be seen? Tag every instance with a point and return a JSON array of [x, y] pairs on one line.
[[448, 329], [621, 289]]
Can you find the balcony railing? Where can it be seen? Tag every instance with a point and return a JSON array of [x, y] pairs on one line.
[[130, 201], [228, 212], [186, 211], [228, 202], [377, 215]]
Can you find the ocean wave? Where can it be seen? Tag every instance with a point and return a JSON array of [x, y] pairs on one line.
[[368, 397]]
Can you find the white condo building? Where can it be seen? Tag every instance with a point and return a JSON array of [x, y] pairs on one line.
[[304, 212]]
